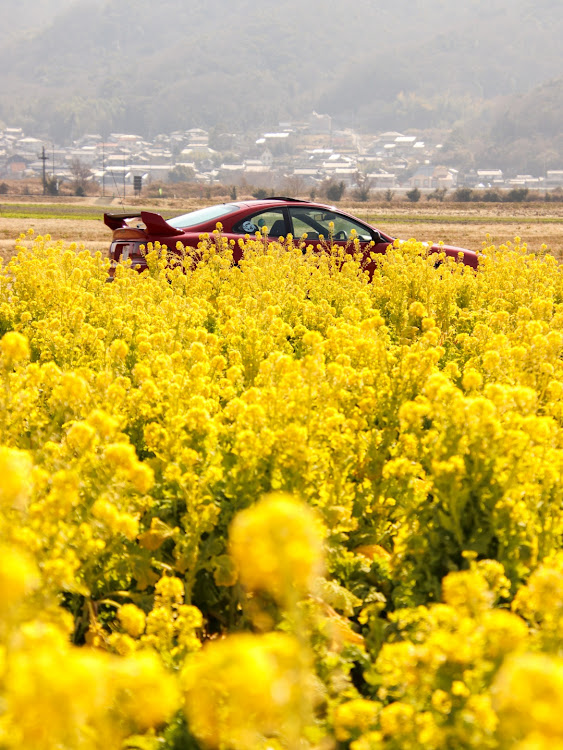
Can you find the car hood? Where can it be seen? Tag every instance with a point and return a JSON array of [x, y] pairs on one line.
[[469, 257]]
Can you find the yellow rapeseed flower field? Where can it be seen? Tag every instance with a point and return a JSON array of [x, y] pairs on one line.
[[278, 504]]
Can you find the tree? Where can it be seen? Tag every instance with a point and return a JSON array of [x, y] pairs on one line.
[[294, 186], [414, 195], [180, 173], [491, 196], [51, 185], [80, 176], [363, 187], [463, 194], [516, 195], [437, 195], [259, 193], [334, 190]]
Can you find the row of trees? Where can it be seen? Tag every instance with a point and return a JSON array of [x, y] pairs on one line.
[[492, 195], [182, 181]]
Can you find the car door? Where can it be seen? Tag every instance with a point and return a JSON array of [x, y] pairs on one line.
[[323, 228]]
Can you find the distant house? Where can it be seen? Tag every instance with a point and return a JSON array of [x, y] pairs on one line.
[[443, 177], [16, 165], [422, 178], [267, 158], [13, 134], [276, 136], [126, 138], [319, 123], [318, 155], [344, 140], [86, 155], [332, 165], [230, 174], [309, 175], [29, 146], [489, 177], [197, 137], [405, 141], [148, 172], [258, 174], [382, 180], [197, 152], [526, 180], [431, 177]]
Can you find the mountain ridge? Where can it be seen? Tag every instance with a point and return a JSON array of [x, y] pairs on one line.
[[131, 65]]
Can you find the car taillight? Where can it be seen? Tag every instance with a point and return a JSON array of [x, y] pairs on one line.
[[124, 250], [121, 251]]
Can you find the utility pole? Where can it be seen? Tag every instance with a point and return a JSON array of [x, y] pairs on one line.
[[103, 168], [43, 156]]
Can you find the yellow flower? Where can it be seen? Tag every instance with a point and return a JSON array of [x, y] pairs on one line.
[[505, 633], [119, 349], [397, 719], [354, 717], [142, 477], [441, 701], [18, 576], [245, 686], [528, 695], [121, 456], [127, 525], [417, 310], [132, 619], [15, 477], [472, 380], [277, 546], [72, 390], [480, 711], [169, 591], [460, 689], [105, 426], [80, 435], [144, 692], [14, 346], [467, 590]]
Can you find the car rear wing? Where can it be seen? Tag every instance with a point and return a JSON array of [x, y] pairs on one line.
[[154, 223], [117, 221]]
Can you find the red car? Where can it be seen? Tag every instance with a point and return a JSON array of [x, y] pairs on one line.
[[281, 216]]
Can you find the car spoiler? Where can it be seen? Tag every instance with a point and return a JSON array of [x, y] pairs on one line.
[[154, 223]]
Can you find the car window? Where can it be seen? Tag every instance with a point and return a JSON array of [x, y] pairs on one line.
[[273, 219], [315, 222], [201, 215]]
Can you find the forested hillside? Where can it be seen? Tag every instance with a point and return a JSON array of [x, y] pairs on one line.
[[23, 19], [137, 65], [519, 133]]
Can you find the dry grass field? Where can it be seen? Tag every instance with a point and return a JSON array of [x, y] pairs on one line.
[[461, 224]]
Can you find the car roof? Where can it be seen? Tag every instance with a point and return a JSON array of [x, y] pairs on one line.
[[277, 200]]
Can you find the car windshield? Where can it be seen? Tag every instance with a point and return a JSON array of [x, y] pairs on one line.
[[201, 216]]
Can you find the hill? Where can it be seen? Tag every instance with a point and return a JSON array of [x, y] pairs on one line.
[[520, 133], [144, 67], [28, 17]]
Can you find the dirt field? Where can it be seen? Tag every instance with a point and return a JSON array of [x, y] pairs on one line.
[[464, 225]]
